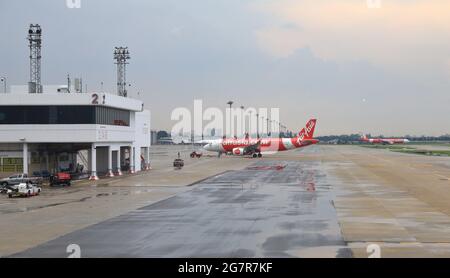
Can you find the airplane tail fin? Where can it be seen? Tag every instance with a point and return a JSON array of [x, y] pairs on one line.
[[308, 131]]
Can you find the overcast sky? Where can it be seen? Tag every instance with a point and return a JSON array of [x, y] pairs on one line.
[[355, 68]]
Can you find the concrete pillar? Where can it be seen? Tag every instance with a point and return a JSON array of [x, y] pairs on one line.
[[89, 159], [57, 162], [119, 172], [110, 172], [148, 167], [47, 162], [132, 160], [93, 163], [25, 158]]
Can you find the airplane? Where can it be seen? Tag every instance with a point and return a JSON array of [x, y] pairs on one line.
[[385, 141], [255, 147]]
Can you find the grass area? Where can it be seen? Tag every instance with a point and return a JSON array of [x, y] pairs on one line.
[[390, 147], [434, 143], [410, 149], [424, 152]]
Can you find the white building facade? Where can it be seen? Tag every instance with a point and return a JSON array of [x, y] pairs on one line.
[[54, 132]]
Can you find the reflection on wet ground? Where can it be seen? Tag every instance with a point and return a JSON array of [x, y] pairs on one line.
[[58, 192], [262, 211]]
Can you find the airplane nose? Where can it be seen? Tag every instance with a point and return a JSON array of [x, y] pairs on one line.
[[207, 147]]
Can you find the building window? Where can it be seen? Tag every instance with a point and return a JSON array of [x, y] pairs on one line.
[[67, 114]]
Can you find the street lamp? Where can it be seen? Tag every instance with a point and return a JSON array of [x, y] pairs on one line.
[[243, 119], [257, 125], [121, 55], [230, 103], [250, 123], [262, 124], [3, 79]]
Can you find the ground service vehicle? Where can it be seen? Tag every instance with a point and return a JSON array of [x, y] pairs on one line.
[[60, 179], [24, 190]]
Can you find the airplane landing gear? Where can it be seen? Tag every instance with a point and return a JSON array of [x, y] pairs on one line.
[[255, 155], [259, 155]]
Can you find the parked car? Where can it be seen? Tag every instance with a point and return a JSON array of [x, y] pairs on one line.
[[24, 189], [19, 178]]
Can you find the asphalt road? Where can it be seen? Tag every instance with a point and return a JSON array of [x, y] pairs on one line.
[[270, 209]]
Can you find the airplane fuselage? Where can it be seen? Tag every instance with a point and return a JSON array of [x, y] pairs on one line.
[[386, 140], [236, 146], [256, 146]]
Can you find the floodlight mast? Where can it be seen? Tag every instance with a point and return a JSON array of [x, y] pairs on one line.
[[35, 42], [121, 55]]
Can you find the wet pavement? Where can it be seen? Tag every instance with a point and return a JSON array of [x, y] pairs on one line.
[[322, 201], [269, 209]]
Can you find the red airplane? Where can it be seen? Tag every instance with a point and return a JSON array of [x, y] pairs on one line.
[[390, 141], [255, 147]]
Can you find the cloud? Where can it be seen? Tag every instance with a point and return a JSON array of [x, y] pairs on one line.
[[398, 34]]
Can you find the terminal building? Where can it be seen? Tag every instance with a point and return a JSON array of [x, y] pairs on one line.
[[92, 133], [50, 129]]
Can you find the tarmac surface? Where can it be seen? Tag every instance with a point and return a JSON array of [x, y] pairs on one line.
[[321, 201], [27, 222], [271, 209]]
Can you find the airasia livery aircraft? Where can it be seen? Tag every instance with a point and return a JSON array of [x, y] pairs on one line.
[[390, 141], [255, 147]]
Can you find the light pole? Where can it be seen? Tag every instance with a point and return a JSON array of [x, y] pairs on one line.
[[257, 125], [230, 103], [267, 127], [121, 55], [3, 79], [271, 126], [243, 119], [262, 124], [250, 123]]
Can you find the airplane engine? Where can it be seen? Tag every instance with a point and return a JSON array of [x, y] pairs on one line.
[[238, 151]]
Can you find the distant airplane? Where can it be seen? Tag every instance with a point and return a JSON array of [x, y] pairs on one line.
[[255, 147], [390, 141]]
